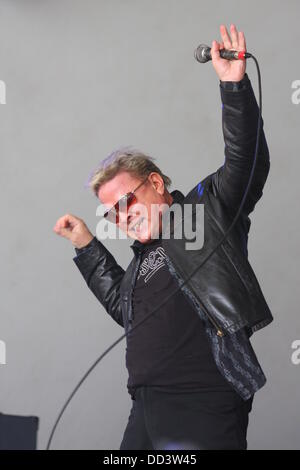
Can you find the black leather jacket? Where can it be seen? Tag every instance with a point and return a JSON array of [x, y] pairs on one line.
[[225, 291]]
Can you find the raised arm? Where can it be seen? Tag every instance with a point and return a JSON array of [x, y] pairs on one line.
[[239, 123]]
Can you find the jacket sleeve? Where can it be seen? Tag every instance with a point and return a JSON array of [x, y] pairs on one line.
[[239, 124], [103, 276]]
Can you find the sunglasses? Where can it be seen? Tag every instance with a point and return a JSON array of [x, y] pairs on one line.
[[112, 214]]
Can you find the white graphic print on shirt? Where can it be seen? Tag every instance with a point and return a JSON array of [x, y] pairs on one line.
[[152, 263]]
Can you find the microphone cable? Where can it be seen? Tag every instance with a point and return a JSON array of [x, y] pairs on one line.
[[92, 367]]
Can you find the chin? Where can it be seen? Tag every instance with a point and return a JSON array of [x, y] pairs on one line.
[[145, 235], [147, 238], [141, 237], [144, 238], [137, 236]]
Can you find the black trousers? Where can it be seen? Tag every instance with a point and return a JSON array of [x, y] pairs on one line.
[[165, 419]]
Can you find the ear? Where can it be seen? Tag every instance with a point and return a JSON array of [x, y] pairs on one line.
[[157, 182]]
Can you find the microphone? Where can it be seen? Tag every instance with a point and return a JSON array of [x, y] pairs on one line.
[[203, 54]]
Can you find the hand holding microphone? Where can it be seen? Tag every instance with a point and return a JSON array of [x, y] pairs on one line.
[[228, 57]]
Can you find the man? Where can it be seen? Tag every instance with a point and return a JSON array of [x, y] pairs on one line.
[[192, 370]]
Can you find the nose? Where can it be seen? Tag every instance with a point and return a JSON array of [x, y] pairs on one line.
[[125, 217]]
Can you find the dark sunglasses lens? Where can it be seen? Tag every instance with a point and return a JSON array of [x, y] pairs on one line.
[[121, 206], [125, 202], [108, 215], [130, 199]]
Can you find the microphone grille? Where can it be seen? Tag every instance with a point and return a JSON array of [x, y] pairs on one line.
[[200, 53]]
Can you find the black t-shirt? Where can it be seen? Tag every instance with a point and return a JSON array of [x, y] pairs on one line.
[[170, 348]]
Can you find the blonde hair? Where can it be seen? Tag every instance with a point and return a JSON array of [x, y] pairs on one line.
[[124, 159]]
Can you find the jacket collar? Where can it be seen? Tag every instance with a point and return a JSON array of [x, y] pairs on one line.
[[178, 197]]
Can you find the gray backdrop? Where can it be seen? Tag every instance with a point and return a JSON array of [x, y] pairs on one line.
[[83, 78]]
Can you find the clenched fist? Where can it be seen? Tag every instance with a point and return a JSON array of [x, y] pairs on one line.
[[74, 229]]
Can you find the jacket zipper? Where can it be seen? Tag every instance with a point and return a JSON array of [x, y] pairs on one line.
[[220, 332]]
